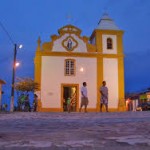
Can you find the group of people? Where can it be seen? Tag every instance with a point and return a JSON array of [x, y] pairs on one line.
[[24, 103], [72, 101], [104, 97]]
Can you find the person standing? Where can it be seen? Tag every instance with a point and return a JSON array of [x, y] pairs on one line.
[[68, 104], [27, 103], [104, 96], [35, 102], [84, 97], [73, 101]]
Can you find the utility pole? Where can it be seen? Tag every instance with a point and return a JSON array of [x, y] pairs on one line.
[[13, 79], [14, 67]]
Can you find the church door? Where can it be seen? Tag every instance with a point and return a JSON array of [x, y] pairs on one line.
[[70, 91]]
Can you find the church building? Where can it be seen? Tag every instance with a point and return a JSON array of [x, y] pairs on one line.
[[69, 59]]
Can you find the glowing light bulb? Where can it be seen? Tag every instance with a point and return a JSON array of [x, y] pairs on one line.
[[17, 64], [81, 69], [20, 46]]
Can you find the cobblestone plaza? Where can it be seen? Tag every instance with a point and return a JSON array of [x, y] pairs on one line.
[[75, 131]]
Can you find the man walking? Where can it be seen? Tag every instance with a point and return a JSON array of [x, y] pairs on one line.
[[84, 98], [104, 96]]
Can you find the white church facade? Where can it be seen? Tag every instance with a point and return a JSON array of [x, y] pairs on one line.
[[69, 59]]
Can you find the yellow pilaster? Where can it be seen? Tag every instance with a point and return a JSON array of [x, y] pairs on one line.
[[37, 76], [98, 41], [120, 42], [99, 79], [37, 70], [121, 102]]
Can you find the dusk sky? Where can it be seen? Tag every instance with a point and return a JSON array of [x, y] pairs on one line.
[[26, 20]]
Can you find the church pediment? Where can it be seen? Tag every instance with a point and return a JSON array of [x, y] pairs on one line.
[[68, 40], [69, 29]]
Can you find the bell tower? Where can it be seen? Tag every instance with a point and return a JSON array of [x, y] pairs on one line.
[[107, 38]]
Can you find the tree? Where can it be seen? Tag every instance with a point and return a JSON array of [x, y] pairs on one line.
[[26, 85]]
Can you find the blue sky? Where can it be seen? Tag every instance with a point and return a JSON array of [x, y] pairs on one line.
[[26, 20]]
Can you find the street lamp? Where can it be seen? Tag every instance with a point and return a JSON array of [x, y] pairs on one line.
[[14, 66], [17, 64], [13, 77]]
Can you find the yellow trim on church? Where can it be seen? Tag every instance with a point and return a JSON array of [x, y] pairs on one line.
[[120, 57], [93, 51]]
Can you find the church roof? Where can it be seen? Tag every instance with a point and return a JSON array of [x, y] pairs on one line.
[[106, 23]]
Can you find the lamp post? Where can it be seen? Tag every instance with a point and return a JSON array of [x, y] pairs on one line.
[[13, 78], [14, 66]]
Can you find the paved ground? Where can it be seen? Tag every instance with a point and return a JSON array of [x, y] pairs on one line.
[[75, 131]]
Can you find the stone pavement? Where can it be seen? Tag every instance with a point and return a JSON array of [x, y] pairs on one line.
[[75, 131]]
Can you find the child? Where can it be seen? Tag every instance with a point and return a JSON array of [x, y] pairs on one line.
[[68, 104]]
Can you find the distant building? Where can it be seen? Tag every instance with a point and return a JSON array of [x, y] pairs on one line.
[[133, 100], [69, 59]]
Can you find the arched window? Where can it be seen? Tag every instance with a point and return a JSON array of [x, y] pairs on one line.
[[109, 43], [69, 67]]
